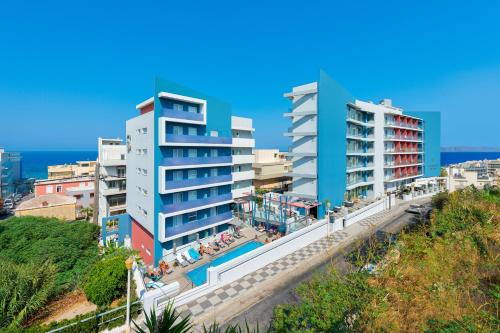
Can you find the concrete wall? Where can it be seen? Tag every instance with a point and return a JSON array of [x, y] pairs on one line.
[[64, 212]]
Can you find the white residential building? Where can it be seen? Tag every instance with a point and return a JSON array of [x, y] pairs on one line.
[[242, 150], [111, 178]]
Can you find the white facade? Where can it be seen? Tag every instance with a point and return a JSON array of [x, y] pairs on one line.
[[140, 169], [111, 178], [243, 144], [303, 132]]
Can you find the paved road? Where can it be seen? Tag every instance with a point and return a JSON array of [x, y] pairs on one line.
[[262, 311]]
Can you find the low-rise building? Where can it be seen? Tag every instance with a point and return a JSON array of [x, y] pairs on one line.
[[10, 172], [49, 205], [110, 179], [81, 188], [271, 170], [80, 169], [475, 173]]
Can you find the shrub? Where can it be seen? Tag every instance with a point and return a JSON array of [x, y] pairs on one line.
[[24, 289], [107, 280]]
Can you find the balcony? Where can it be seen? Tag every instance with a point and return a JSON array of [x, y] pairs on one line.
[[355, 136], [403, 138], [403, 125], [359, 167], [243, 143], [403, 151], [199, 225], [186, 162], [242, 192], [361, 152], [182, 115], [392, 178], [243, 175], [361, 122], [186, 206], [196, 140], [113, 162], [243, 159], [112, 191], [195, 183]]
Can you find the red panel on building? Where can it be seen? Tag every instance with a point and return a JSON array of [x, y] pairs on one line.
[[143, 242], [148, 108]]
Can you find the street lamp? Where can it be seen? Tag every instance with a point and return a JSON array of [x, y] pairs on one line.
[[128, 263]]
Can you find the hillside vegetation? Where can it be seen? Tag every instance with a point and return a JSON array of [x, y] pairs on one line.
[[440, 277], [41, 258]]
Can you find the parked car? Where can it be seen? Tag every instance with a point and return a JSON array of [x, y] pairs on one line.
[[8, 204], [18, 197]]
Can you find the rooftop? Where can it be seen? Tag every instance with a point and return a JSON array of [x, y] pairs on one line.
[[48, 200]]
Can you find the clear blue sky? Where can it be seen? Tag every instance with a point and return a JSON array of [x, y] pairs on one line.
[[72, 71]]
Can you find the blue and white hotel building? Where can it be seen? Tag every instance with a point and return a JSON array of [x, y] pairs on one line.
[[344, 148], [180, 171]]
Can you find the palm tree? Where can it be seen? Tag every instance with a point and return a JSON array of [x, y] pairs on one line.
[[88, 212], [171, 322], [168, 322]]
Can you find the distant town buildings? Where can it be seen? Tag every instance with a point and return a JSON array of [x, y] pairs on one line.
[[10, 173], [80, 188], [80, 169], [272, 170], [476, 173], [49, 205], [110, 179]]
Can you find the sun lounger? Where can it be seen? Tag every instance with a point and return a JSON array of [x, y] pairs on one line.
[[215, 246], [180, 260], [194, 254], [155, 285], [220, 243], [186, 256]]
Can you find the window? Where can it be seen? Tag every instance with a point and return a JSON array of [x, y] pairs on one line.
[[192, 195], [144, 172], [214, 172], [178, 107], [176, 220], [192, 217], [213, 191], [177, 130], [59, 188], [191, 174], [144, 152], [49, 189], [214, 152], [192, 152], [177, 197], [192, 131], [192, 108], [177, 175], [178, 153], [145, 130], [192, 238]]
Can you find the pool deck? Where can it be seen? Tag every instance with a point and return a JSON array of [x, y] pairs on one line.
[[179, 273]]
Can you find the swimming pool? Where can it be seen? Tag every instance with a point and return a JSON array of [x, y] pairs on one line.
[[199, 274]]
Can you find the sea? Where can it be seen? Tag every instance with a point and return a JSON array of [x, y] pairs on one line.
[[34, 163]]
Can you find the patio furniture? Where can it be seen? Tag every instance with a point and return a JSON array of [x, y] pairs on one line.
[[194, 254], [155, 284], [186, 256], [165, 268], [180, 260]]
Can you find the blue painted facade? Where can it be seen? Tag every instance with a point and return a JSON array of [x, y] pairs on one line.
[[120, 225], [332, 108], [432, 142], [218, 118]]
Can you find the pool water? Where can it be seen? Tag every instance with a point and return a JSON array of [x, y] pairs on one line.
[[199, 275]]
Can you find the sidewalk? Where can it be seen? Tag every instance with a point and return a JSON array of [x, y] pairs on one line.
[[226, 302]]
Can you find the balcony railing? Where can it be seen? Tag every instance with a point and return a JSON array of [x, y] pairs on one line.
[[402, 150], [185, 183], [175, 161], [402, 176], [185, 115], [180, 206], [201, 139], [359, 166], [198, 224], [403, 137], [402, 124]]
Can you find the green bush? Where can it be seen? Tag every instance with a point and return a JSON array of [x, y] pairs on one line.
[[107, 280], [24, 289], [71, 246]]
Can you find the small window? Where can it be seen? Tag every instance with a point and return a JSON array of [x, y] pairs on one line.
[[192, 131], [177, 197], [192, 152], [192, 217], [214, 172], [144, 152], [178, 107], [177, 130], [58, 188], [145, 130], [192, 174], [192, 195], [177, 175], [176, 220], [193, 109], [178, 153]]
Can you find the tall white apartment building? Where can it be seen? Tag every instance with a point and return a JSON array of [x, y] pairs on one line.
[[243, 157], [111, 178]]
